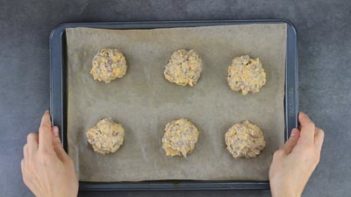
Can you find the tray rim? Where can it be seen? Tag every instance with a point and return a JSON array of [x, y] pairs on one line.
[[58, 98]]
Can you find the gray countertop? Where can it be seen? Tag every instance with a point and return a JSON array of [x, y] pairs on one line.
[[324, 43]]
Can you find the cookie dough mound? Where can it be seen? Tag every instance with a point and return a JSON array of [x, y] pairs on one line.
[[108, 65], [180, 137], [106, 136], [184, 68], [244, 140], [246, 75]]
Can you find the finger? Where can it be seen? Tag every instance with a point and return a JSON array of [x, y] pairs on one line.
[[32, 141], [316, 132], [56, 131], [291, 142], [22, 167], [25, 151], [307, 128], [24, 173], [58, 146], [45, 134], [319, 139]]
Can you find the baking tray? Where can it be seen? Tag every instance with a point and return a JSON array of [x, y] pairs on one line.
[[58, 97]]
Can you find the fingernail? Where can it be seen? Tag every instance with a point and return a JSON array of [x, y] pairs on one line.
[[294, 132], [56, 131], [301, 113]]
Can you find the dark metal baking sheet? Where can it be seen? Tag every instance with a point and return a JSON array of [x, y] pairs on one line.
[[58, 97]]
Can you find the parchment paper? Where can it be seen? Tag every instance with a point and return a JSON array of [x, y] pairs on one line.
[[143, 101]]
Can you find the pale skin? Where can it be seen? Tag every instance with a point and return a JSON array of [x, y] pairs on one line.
[[46, 168], [49, 172], [294, 163]]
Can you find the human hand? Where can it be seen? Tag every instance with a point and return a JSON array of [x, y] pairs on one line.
[[46, 168], [294, 163]]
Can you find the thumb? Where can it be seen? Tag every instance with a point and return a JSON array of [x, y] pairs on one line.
[[291, 142], [57, 145]]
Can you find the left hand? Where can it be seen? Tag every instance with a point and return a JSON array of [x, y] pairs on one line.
[[46, 168]]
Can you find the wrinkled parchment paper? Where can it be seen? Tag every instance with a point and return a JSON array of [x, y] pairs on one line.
[[143, 101]]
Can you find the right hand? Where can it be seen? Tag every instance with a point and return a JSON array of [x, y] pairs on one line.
[[294, 163]]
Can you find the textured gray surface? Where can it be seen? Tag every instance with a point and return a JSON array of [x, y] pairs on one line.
[[325, 75]]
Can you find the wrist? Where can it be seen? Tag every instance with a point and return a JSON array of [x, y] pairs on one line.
[[71, 194], [284, 193]]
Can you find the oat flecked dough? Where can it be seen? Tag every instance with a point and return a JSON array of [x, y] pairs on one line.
[[244, 140], [246, 75], [180, 137], [106, 136], [108, 64], [184, 68]]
